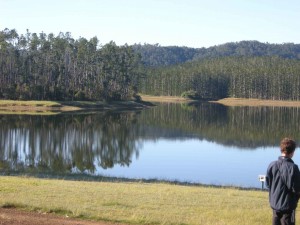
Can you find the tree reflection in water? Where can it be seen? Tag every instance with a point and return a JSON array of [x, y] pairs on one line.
[[82, 142], [66, 143]]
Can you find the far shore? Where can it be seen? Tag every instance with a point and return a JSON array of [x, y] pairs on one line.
[[226, 101], [152, 98], [256, 102], [54, 107]]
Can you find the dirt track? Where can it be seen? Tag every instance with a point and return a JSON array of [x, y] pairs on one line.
[[20, 217]]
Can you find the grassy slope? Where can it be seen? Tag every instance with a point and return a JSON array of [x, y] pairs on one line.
[[138, 203]]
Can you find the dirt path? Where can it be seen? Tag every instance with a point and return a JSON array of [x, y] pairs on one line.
[[20, 217]]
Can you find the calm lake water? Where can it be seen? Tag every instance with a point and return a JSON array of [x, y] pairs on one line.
[[202, 143]]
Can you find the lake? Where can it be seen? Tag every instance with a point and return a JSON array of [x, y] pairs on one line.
[[199, 143]]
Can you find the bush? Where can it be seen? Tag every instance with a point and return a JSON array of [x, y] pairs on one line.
[[80, 95], [137, 98], [191, 94]]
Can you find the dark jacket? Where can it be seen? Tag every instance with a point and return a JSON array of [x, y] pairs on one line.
[[283, 182]]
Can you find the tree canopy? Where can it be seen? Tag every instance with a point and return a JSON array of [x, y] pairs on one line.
[[48, 67]]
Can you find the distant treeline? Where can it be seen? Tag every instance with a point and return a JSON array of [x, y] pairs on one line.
[[41, 66], [49, 67], [157, 56], [246, 69], [243, 77]]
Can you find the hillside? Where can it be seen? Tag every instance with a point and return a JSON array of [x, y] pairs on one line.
[[156, 55]]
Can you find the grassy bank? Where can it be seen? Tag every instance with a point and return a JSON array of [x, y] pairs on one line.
[[226, 101], [52, 107], [257, 102], [150, 98], [137, 203]]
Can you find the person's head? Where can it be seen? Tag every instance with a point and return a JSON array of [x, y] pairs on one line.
[[287, 147]]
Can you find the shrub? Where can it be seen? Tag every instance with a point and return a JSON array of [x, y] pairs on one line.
[[191, 94]]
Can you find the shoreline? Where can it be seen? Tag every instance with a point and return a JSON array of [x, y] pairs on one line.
[[55, 107], [171, 99], [113, 179], [252, 102], [150, 203]]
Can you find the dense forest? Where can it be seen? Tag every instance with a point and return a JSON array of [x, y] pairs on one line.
[[48, 67], [247, 69], [243, 77], [157, 56]]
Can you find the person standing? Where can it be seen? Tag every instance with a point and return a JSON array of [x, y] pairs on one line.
[[283, 183]]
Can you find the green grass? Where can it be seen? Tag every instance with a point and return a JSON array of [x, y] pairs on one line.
[[137, 203]]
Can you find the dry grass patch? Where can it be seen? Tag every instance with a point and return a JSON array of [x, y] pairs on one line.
[[30, 107], [257, 102], [150, 98], [226, 101], [45, 107], [13, 103]]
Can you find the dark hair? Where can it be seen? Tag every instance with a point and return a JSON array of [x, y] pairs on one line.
[[287, 145]]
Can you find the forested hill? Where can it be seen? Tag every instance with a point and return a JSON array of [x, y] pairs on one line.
[[58, 67], [156, 55]]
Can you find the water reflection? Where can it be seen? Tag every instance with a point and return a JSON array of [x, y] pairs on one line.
[[68, 142], [86, 142], [243, 127]]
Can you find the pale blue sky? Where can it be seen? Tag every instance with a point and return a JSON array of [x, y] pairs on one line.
[[192, 23]]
